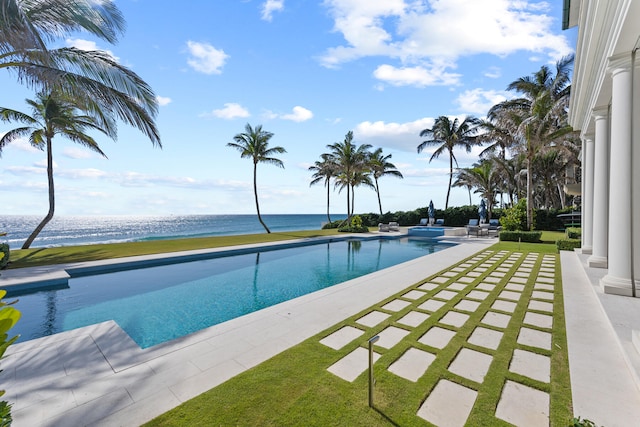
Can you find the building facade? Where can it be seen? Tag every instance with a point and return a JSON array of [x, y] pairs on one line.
[[605, 109]]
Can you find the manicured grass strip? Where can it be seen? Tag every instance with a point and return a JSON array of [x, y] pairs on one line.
[[295, 388], [68, 254]]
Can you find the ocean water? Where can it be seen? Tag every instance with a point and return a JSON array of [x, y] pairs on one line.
[[85, 230]]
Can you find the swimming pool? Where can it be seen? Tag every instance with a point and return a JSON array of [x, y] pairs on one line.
[[158, 304]]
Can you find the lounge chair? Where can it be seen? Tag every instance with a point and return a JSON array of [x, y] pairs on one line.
[[439, 221], [494, 227], [424, 221], [394, 226], [473, 227], [383, 227]]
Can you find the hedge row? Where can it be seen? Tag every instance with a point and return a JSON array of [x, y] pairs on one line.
[[4, 248], [568, 244], [574, 233], [521, 236]]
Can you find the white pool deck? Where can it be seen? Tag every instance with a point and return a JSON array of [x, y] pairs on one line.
[[98, 376]]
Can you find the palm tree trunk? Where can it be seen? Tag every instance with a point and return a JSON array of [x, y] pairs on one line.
[[529, 192], [561, 194], [52, 199], [255, 193], [446, 203], [353, 200], [378, 193], [328, 216]]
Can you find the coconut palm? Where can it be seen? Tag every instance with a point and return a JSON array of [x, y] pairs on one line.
[[483, 177], [253, 143], [542, 110], [351, 161], [324, 170], [93, 77], [380, 166], [56, 114], [449, 134]]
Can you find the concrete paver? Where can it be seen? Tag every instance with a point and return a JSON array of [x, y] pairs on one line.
[[540, 306], [351, 366], [428, 286], [431, 305], [485, 337], [453, 318], [341, 337], [396, 305], [498, 320], [478, 295], [532, 365], [540, 320], [373, 318], [523, 406], [413, 318], [534, 338], [391, 336], [449, 404], [437, 337], [412, 364], [507, 306], [414, 294], [471, 364]]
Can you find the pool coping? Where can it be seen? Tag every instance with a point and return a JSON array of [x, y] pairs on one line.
[[119, 383]]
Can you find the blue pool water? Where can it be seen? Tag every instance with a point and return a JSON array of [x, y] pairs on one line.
[[155, 305]]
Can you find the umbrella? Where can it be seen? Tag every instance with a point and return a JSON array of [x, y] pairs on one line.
[[482, 211], [432, 211]]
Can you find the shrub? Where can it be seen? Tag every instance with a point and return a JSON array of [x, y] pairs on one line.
[[355, 226], [515, 218], [8, 318], [574, 233], [520, 236], [568, 244], [4, 259]]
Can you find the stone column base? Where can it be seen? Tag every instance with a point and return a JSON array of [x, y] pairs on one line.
[[617, 286], [595, 261]]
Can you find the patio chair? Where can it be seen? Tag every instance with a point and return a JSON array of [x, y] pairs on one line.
[[473, 227], [394, 226], [383, 227], [439, 221]]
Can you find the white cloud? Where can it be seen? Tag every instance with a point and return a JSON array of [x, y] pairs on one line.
[[400, 136], [205, 58], [270, 6], [479, 101], [89, 45], [163, 100], [21, 144], [415, 76], [423, 35], [77, 153], [230, 111], [299, 114], [493, 72]]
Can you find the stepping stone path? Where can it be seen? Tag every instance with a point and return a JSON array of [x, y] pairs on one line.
[[452, 325]]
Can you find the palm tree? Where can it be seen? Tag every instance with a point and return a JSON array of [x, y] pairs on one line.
[[351, 160], [324, 170], [543, 114], [483, 177], [449, 135], [253, 143], [55, 114], [380, 166], [93, 77]]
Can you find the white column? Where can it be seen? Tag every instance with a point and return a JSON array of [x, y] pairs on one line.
[[600, 189], [587, 196], [618, 278]]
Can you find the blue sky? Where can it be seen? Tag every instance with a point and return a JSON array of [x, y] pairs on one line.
[[308, 71]]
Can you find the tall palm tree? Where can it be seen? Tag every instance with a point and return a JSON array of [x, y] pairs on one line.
[[56, 114], [351, 160], [543, 113], [253, 143], [380, 166], [447, 135], [94, 77], [324, 170]]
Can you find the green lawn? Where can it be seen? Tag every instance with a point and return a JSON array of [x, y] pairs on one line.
[[67, 254], [295, 388]]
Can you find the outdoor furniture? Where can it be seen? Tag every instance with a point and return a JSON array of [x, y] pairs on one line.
[[383, 227], [494, 227], [473, 227], [424, 221], [439, 221], [394, 226]]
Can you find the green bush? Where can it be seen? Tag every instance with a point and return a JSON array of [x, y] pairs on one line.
[[574, 233], [547, 219], [355, 226], [4, 259], [568, 244], [515, 218], [520, 236], [8, 318]]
